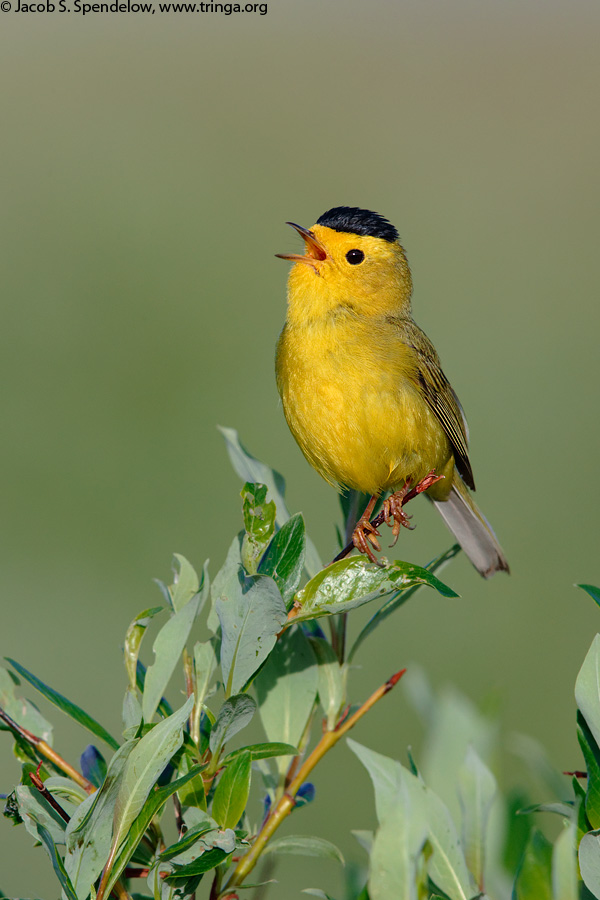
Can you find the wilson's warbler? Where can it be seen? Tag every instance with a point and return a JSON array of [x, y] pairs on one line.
[[362, 387]]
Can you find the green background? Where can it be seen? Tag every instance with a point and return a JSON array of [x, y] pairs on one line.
[[148, 166]]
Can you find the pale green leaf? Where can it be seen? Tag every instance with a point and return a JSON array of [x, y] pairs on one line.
[[251, 612], [564, 865], [168, 647], [305, 845], [233, 716], [396, 849], [88, 834], [332, 680], [133, 641], [152, 806], [185, 583], [587, 689], [286, 689], [447, 867], [22, 711], [589, 861], [205, 663], [142, 769], [35, 810], [476, 789], [386, 775]]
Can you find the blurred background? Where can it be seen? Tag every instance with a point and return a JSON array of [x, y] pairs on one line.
[[148, 166]]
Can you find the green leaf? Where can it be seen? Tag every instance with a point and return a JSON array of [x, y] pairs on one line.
[[133, 641], [317, 892], [262, 751], [350, 583], [564, 809], [233, 716], [168, 647], [591, 753], [209, 860], [71, 709], [283, 559], [259, 522], [399, 598], [250, 469], [188, 840], [594, 592], [89, 832], [152, 806], [589, 861], [186, 583], [286, 689], [447, 867], [477, 789], [564, 865], [231, 794], [205, 663], [35, 810], [145, 763], [396, 850], [22, 711], [534, 876], [251, 612], [57, 863], [386, 775], [191, 793], [305, 845], [587, 689], [332, 680]]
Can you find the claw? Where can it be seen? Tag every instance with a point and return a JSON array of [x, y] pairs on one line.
[[365, 534], [393, 512]]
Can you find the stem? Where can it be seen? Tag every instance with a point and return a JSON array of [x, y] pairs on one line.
[[288, 801], [44, 749], [41, 787]]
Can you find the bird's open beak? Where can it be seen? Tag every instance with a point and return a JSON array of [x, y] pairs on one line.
[[315, 252]]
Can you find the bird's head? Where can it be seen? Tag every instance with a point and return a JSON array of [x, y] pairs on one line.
[[353, 259]]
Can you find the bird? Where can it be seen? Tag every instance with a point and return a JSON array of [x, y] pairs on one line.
[[362, 387]]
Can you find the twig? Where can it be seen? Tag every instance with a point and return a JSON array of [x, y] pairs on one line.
[[44, 749], [286, 804], [41, 787]]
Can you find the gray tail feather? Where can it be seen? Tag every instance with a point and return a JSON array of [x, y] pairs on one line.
[[473, 532]]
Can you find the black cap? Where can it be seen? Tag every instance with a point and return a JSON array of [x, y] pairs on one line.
[[354, 220]]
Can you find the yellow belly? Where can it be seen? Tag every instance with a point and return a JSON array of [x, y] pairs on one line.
[[354, 409]]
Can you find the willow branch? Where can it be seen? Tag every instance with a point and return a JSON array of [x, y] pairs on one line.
[[286, 804]]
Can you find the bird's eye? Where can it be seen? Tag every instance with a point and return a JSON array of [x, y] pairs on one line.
[[355, 257]]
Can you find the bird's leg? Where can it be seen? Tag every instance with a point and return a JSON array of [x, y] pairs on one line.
[[393, 512], [365, 533]]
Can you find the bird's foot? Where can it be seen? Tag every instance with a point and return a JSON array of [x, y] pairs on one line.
[[393, 511], [364, 537]]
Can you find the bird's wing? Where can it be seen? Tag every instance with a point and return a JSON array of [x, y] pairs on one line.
[[438, 392]]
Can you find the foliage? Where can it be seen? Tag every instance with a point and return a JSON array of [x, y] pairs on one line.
[[250, 647]]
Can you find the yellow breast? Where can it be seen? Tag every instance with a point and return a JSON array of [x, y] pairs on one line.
[[353, 407]]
